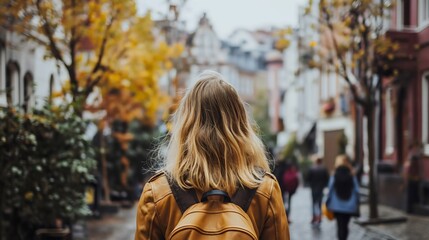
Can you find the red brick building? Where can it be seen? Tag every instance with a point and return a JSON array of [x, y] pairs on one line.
[[405, 104]]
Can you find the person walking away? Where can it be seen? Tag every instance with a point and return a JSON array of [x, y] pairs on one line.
[[317, 177], [290, 182], [215, 180], [343, 195], [412, 176], [279, 169]]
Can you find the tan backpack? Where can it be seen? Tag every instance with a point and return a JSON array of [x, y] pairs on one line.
[[213, 219]]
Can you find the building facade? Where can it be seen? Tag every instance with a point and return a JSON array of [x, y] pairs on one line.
[[405, 105], [240, 57], [316, 103], [27, 80]]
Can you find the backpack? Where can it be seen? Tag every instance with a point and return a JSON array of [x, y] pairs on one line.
[[213, 219], [290, 180]]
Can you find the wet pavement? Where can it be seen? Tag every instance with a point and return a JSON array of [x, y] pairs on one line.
[[301, 229], [121, 226], [415, 228]]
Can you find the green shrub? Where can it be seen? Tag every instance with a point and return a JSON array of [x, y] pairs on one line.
[[289, 151], [45, 165], [342, 143]]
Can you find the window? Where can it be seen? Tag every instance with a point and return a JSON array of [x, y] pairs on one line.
[[28, 92], [425, 112], [403, 14], [324, 92], [12, 84], [423, 13], [333, 85], [389, 122], [9, 89], [406, 19], [344, 103]]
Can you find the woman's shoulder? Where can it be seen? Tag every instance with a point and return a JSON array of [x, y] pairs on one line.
[[158, 185], [267, 185], [269, 177]]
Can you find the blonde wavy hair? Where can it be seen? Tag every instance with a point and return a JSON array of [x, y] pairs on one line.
[[212, 144], [343, 160]]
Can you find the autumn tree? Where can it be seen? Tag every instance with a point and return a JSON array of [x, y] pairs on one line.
[[354, 45], [282, 37], [130, 89], [110, 54], [82, 36]]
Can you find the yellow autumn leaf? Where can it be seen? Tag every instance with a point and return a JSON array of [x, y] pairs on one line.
[[282, 44]]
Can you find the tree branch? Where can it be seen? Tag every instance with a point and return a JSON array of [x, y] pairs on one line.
[[74, 40], [95, 82], [367, 80], [103, 45], [98, 66], [342, 61], [352, 87], [49, 34], [34, 38]]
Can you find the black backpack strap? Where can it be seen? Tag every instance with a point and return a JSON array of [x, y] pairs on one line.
[[184, 198], [243, 197]]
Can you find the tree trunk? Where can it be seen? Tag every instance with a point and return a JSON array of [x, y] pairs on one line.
[[2, 221], [373, 196], [105, 176], [78, 105]]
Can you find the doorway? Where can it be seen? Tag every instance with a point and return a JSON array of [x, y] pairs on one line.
[[331, 147]]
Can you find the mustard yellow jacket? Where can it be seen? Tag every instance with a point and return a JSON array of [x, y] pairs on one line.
[[158, 213]]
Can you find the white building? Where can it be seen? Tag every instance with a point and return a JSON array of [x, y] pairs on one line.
[[246, 51], [289, 108], [240, 58], [276, 89], [315, 107], [204, 50], [301, 101], [26, 78]]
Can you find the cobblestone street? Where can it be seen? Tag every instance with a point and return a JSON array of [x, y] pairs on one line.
[[122, 225]]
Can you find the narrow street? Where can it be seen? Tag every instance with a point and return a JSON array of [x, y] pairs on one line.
[[122, 225], [301, 229]]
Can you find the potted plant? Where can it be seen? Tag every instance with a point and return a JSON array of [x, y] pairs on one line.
[[328, 107]]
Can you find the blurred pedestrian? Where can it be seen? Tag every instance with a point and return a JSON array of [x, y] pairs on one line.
[[412, 176], [343, 196], [289, 184], [279, 169], [318, 177], [214, 159]]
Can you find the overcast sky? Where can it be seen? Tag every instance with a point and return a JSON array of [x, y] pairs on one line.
[[228, 15]]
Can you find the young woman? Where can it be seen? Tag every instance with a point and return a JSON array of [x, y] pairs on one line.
[[343, 196], [212, 146]]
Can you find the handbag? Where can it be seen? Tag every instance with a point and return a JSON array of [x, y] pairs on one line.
[[327, 213]]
